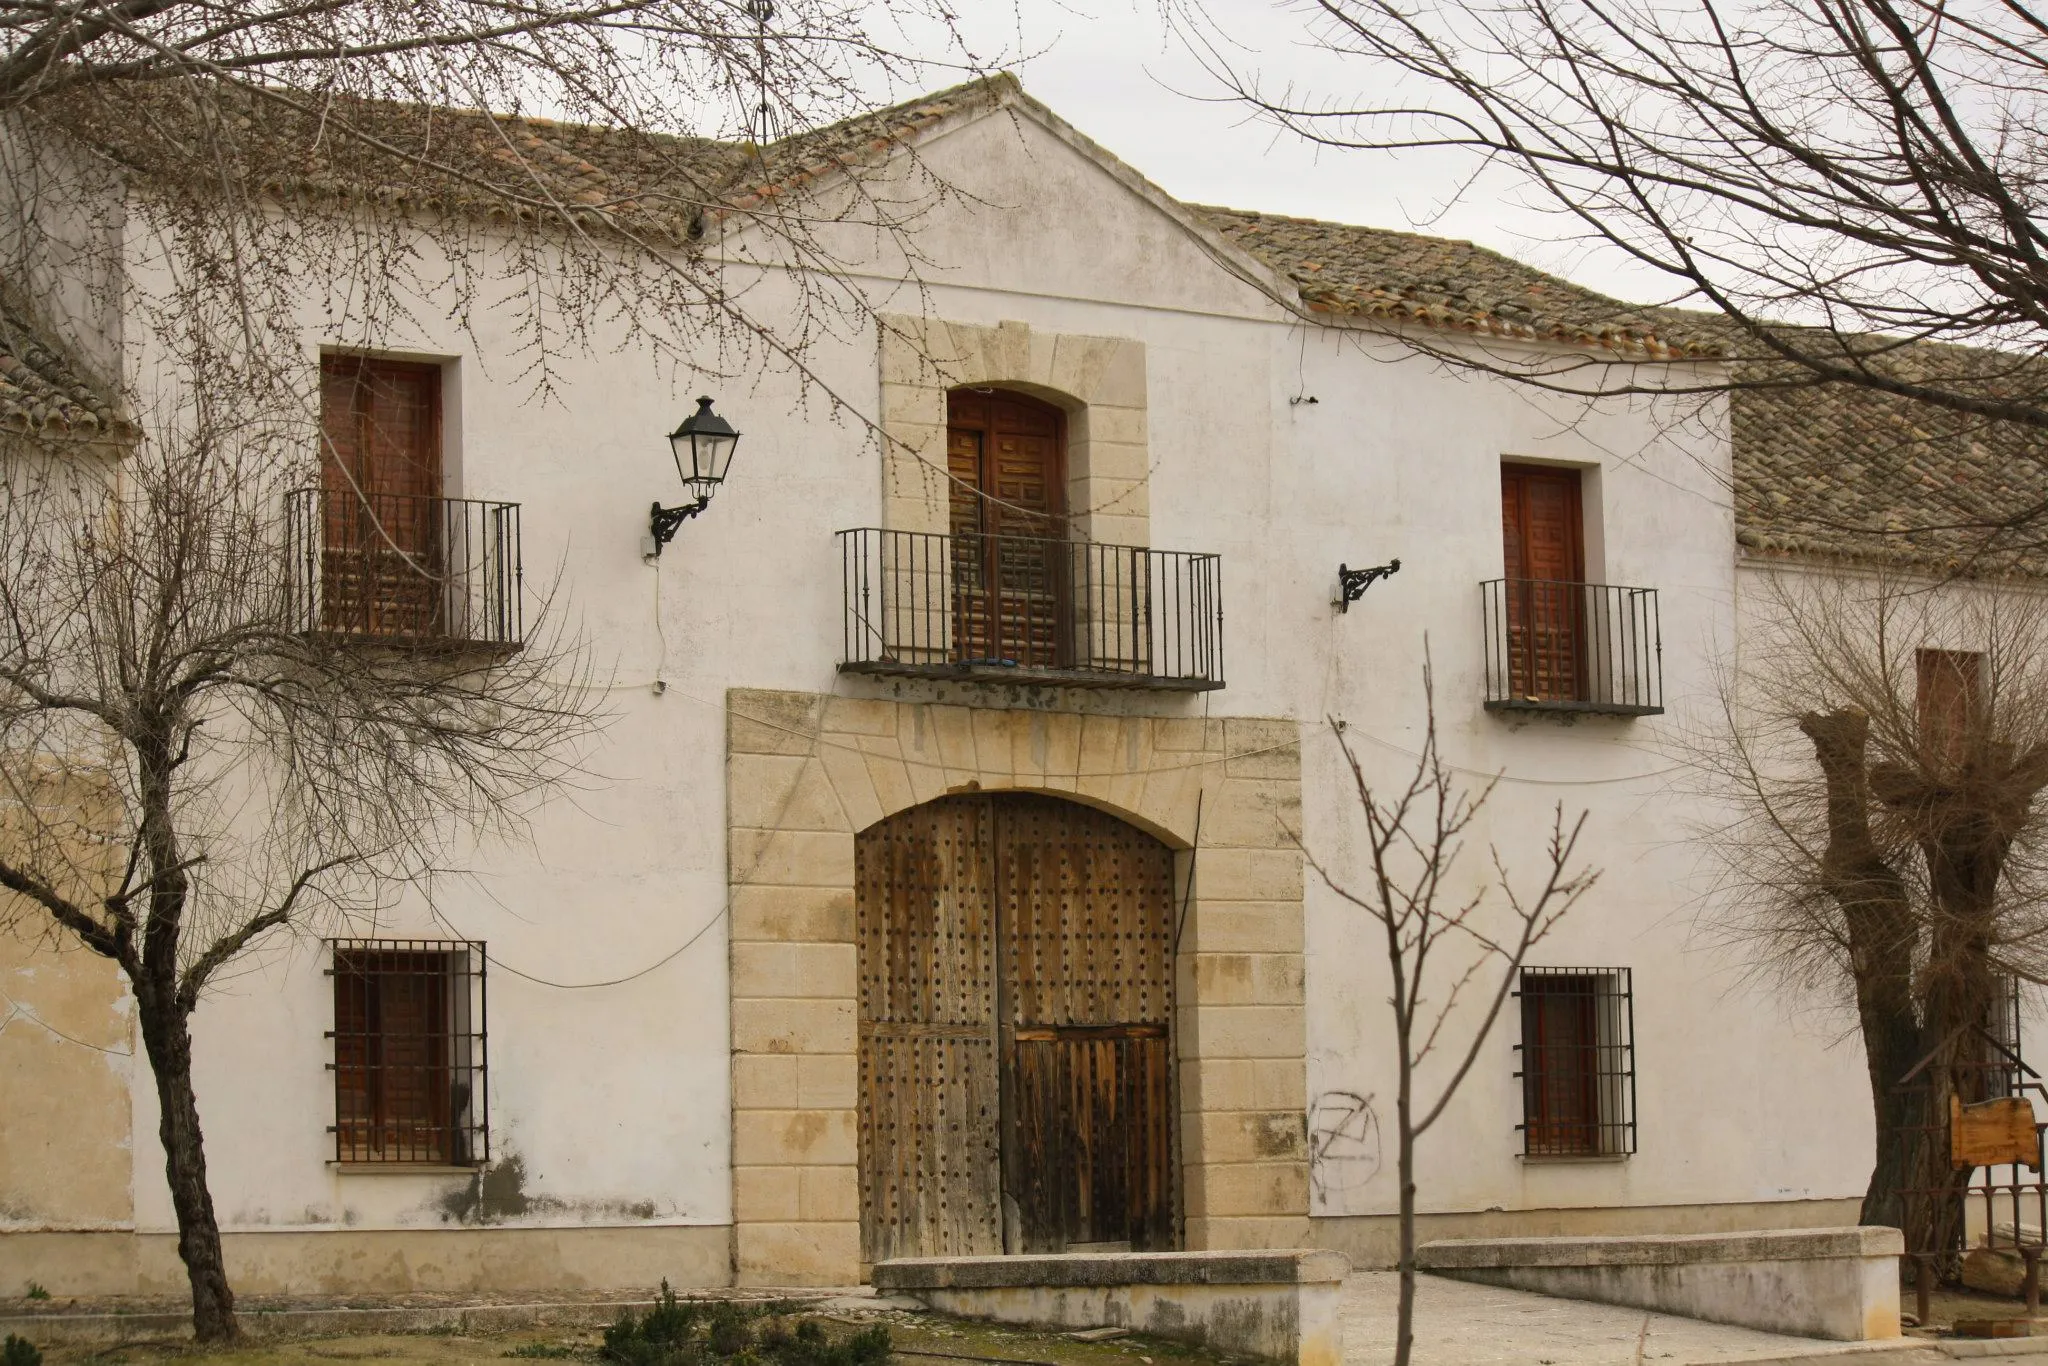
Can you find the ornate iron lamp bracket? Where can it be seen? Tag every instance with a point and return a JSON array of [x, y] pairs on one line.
[[664, 522], [1352, 583]]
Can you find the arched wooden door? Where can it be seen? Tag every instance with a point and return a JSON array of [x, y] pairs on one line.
[[1016, 997]]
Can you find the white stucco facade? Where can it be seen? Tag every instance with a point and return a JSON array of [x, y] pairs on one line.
[[1286, 447]]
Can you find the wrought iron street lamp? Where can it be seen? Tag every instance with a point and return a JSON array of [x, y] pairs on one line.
[[703, 448]]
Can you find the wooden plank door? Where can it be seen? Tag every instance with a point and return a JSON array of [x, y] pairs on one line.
[[1016, 994], [1087, 999], [930, 1160], [381, 535], [1005, 453], [1543, 551]]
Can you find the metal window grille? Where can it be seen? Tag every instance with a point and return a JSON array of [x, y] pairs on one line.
[[1573, 647], [2005, 1071], [409, 1054], [1577, 1062]]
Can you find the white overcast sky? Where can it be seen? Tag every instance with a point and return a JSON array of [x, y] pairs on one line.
[[1111, 69]]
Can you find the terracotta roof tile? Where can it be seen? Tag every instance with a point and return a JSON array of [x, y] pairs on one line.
[[41, 392], [1404, 277]]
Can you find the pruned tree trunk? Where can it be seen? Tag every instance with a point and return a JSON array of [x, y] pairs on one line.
[[167, 1037]]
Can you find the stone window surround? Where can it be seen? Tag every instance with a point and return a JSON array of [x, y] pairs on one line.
[[805, 771], [1099, 382]]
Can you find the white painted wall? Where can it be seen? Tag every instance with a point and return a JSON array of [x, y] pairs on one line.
[[616, 1095]]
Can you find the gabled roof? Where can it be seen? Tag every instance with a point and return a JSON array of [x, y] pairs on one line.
[[493, 165], [1407, 278], [40, 390]]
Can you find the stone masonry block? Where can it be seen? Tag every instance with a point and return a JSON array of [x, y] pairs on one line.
[[792, 858], [797, 1254], [1245, 1233], [828, 1081], [1241, 1136], [763, 1081], [760, 721], [1259, 1188], [815, 914], [1219, 1084], [859, 716], [1241, 926], [1242, 978], [847, 770], [1281, 1084], [782, 792], [890, 778], [765, 1195], [793, 1026], [1112, 425], [761, 969], [793, 1138], [1243, 1031], [1249, 814], [995, 742], [830, 1194]]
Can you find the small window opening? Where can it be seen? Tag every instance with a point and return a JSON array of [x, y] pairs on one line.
[[409, 1058], [1577, 1062]]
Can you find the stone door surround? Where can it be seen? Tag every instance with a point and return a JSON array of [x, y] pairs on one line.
[[805, 771], [1098, 381]]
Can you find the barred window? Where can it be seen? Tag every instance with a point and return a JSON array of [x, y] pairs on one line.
[[1577, 1059], [409, 1052], [2005, 1065]]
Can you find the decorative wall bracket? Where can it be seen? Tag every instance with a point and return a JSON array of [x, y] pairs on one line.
[[1352, 583], [664, 522]]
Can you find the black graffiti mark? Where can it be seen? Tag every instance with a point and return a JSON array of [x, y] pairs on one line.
[[1343, 1143]]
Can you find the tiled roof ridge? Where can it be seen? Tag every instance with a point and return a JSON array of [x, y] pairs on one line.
[[43, 391], [1404, 277]]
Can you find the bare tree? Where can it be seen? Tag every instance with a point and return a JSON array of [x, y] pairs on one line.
[[1851, 188], [180, 182], [191, 764], [1885, 745], [1428, 909]]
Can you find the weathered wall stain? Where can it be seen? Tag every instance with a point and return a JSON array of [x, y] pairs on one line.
[[497, 1193]]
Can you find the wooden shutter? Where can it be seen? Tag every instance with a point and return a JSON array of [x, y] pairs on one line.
[[1949, 703], [381, 476], [1561, 1065], [1005, 453], [392, 1039], [1543, 552]]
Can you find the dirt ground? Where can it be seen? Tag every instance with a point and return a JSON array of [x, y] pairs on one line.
[[918, 1340]]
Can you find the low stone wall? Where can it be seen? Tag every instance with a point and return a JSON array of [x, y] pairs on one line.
[[1275, 1306], [1840, 1283]]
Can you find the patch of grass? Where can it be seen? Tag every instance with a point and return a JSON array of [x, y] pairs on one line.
[[19, 1352], [36, 1291], [725, 1333], [546, 1351]]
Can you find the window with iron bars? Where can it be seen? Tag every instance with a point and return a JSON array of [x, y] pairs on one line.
[[2005, 1066], [409, 1057], [1577, 1062]]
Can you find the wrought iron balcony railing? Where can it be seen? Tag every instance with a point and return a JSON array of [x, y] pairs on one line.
[[1025, 609], [1576, 647], [404, 568]]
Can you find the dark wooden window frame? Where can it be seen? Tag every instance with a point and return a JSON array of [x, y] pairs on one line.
[[1579, 1091], [409, 1096]]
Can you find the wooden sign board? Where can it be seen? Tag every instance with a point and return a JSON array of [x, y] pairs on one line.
[[1993, 1133]]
